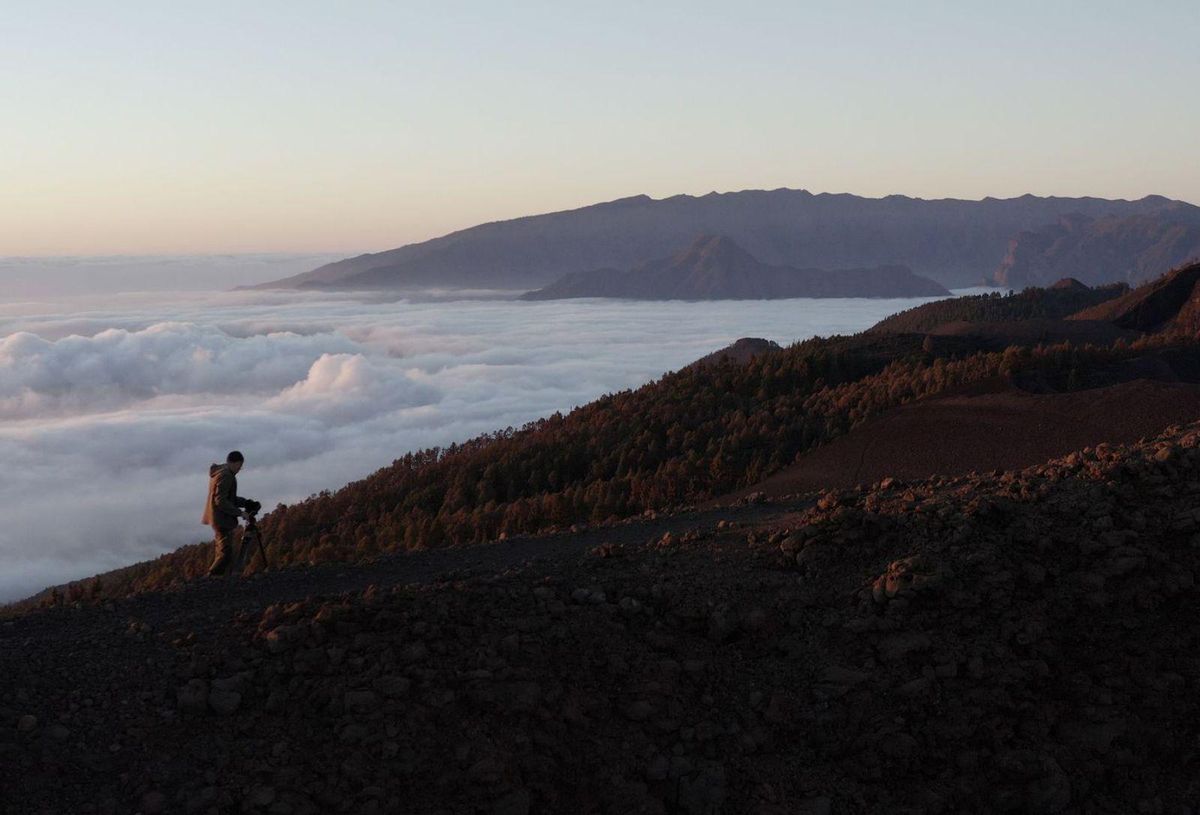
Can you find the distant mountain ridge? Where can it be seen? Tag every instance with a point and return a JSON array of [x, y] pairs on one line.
[[714, 267], [955, 242], [1108, 249]]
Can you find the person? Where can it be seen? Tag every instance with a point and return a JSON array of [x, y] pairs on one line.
[[223, 509]]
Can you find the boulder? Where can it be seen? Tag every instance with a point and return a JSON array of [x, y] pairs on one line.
[[224, 702], [193, 697]]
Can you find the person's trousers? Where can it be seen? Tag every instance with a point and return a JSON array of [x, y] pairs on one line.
[[223, 549]]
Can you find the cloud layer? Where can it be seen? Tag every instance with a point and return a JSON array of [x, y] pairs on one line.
[[110, 416]]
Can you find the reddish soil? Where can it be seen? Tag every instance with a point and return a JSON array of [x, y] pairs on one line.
[[981, 432], [1029, 332]]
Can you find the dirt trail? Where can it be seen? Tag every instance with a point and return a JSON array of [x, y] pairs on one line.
[[202, 604], [73, 664]]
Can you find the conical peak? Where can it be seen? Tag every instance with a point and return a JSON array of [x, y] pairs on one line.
[[713, 248]]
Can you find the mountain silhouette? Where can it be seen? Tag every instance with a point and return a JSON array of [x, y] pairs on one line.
[[1130, 249], [955, 242]]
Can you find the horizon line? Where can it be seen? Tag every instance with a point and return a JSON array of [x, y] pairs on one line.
[[347, 254]]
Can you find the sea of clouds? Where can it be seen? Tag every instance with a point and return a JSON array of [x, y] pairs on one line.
[[112, 408]]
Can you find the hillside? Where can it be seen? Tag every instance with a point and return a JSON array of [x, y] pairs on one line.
[[996, 336], [1170, 302], [701, 432], [716, 268], [999, 427], [740, 352], [1054, 303], [693, 435], [955, 242], [1020, 641], [854, 619], [1128, 248]]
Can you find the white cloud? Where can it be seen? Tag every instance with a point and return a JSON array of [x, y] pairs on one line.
[[344, 388], [117, 367], [109, 417]]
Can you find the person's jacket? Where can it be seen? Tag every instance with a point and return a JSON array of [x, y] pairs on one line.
[[223, 507]]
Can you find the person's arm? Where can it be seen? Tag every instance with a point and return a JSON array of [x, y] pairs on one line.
[[222, 501]]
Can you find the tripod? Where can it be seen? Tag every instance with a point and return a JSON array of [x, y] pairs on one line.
[[251, 538]]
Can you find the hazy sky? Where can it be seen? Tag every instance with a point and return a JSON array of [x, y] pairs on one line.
[[315, 126]]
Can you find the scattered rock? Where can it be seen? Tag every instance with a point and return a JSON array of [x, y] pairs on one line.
[[639, 710], [361, 701], [224, 702], [926, 650], [391, 686], [516, 802], [261, 796], [193, 697], [704, 792], [1052, 791], [820, 805], [894, 647], [153, 803]]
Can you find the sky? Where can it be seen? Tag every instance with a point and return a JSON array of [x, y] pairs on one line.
[[188, 127], [110, 414], [82, 277]]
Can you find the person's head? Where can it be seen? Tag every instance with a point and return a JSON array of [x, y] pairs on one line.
[[235, 460]]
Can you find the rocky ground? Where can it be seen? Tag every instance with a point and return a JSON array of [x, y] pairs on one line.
[[1020, 642]]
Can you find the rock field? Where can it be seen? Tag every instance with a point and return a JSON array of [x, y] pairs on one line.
[[1019, 642]]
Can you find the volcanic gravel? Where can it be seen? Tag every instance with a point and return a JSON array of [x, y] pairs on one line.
[[1016, 642]]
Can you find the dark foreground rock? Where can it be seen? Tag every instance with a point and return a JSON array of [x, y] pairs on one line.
[[1015, 642]]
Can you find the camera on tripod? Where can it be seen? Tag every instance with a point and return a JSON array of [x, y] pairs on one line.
[[252, 537]]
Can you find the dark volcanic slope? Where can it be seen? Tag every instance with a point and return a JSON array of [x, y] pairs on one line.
[[1131, 248], [700, 432], [1021, 643], [1062, 299], [716, 268], [1005, 429], [1001, 334], [1169, 302], [740, 352], [954, 242]]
